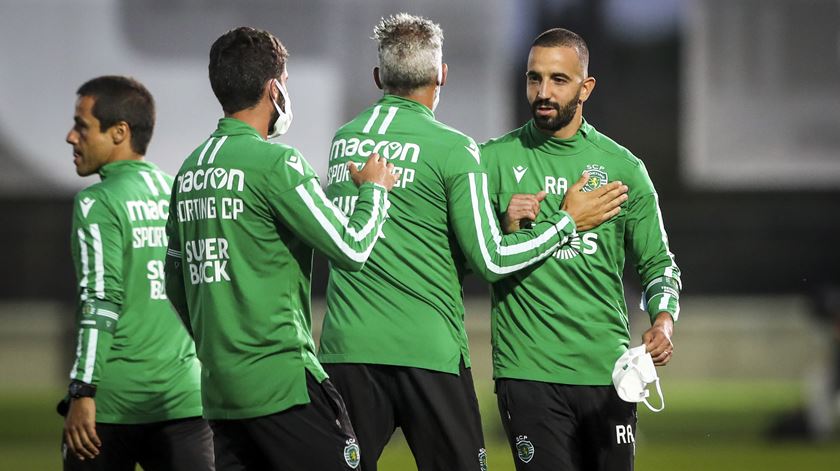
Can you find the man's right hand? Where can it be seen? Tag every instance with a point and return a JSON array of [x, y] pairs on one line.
[[80, 428], [376, 170], [591, 209]]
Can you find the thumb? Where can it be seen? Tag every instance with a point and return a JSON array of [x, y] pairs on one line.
[[581, 182], [353, 168], [540, 196]]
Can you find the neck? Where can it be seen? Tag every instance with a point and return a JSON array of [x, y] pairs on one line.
[[255, 117], [423, 95], [125, 154]]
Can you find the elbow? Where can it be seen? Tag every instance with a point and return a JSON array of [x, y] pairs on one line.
[[491, 274]]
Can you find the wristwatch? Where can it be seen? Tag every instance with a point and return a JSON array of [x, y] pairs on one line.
[[79, 389]]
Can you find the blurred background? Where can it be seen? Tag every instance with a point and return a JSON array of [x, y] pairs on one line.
[[734, 106]]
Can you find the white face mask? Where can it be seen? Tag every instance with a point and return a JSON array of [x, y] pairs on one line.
[[437, 89], [285, 120], [632, 373]]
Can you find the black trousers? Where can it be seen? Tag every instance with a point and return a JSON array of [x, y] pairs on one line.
[[308, 437], [173, 445], [437, 412], [566, 427]]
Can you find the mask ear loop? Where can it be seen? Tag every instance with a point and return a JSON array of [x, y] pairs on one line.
[[287, 106], [661, 399]]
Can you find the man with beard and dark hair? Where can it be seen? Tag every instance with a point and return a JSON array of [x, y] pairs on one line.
[[560, 328]]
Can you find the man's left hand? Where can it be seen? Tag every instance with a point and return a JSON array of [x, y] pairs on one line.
[[657, 339]]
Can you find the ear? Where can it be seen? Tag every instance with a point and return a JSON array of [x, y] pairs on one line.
[[376, 78], [120, 132], [586, 88], [270, 91], [444, 73]]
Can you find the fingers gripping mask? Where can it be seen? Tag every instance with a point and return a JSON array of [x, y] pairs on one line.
[[285, 119], [632, 373]]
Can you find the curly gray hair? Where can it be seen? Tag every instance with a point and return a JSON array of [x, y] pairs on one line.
[[410, 52]]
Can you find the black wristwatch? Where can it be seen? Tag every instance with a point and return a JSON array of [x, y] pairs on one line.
[[79, 389]]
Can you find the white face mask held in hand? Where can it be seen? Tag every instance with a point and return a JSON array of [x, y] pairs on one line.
[[632, 373]]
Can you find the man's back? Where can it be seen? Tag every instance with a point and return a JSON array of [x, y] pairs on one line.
[[417, 317], [247, 275], [150, 372]]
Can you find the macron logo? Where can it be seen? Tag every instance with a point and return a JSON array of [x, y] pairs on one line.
[[519, 172], [295, 162], [473, 149], [86, 204]]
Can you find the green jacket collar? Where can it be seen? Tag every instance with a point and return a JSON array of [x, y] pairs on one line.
[[557, 146], [405, 103], [234, 127], [123, 166]]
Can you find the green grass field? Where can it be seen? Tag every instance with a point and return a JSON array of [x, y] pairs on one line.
[[705, 427]]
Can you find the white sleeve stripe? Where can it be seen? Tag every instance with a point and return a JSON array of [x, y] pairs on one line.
[[497, 237], [216, 149], [90, 356], [108, 314], [345, 221], [173, 253], [78, 354], [83, 255], [204, 150], [481, 240], [98, 261], [669, 272], [166, 188], [392, 111], [331, 231], [372, 119], [150, 183], [663, 303]]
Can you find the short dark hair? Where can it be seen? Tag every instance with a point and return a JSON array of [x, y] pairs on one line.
[[241, 61], [118, 98], [559, 37]]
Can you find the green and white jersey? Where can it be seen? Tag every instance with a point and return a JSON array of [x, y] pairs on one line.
[[565, 321], [131, 344], [246, 214], [406, 307]]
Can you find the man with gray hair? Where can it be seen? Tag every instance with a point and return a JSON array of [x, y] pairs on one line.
[[393, 340]]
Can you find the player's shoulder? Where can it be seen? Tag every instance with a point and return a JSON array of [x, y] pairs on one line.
[[511, 138], [458, 144], [95, 201], [610, 147], [449, 135]]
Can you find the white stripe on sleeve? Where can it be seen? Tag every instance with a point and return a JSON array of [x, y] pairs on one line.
[[322, 219], [488, 261], [98, 262], [83, 255], [90, 355]]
